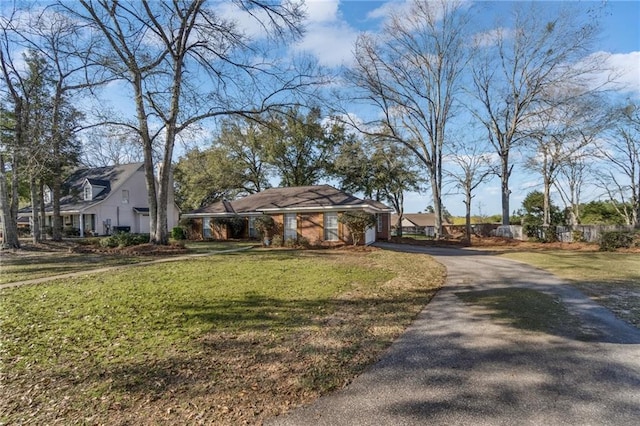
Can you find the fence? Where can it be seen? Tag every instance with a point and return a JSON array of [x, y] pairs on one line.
[[566, 234]]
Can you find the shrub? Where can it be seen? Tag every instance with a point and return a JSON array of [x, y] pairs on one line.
[[549, 234], [70, 231], [277, 241], [611, 241], [123, 239], [265, 225], [177, 233], [577, 237], [357, 223]]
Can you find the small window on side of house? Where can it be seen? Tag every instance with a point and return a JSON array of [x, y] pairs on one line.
[[379, 218], [331, 227], [125, 196]]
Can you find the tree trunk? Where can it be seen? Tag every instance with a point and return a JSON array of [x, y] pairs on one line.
[[437, 208], [546, 203], [506, 193], [56, 169], [35, 219], [43, 214], [8, 224], [467, 218]]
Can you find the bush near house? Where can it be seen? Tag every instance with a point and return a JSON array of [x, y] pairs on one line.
[[357, 223]]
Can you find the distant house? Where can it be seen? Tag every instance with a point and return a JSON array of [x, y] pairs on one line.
[[309, 212], [100, 201], [418, 223]]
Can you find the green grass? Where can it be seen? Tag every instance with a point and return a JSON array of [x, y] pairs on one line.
[[612, 279], [27, 266], [232, 338], [209, 246]]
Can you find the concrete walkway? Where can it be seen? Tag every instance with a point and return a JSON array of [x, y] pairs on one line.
[[456, 366]]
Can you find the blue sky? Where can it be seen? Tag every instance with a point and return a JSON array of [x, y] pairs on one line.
[[333, 26]]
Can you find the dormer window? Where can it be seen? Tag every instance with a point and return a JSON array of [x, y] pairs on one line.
[[88, 193]]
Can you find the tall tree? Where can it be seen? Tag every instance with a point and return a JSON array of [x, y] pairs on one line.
[[61, 42], [470, 166], [203, 177], [299, 146], [556, 135], [379, 169], [411, 74], [245, 144], [518, 64], [572, 177], [621, 152], [153, 46]]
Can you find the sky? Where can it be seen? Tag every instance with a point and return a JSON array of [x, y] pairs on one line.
[[333, 26]]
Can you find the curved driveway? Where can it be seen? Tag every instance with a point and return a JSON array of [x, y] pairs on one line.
[[456, 366]]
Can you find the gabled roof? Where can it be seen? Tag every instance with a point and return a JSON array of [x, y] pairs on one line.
[[297, 198], [418, 219], [109, 178]]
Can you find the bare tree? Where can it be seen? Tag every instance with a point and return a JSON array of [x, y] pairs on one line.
[[110, 145], [184, 62], [516, 67], [621, 151], [557, 135], [470, 166], [572, 176], [411, 74]]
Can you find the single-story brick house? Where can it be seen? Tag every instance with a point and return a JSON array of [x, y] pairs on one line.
[[309, 212]]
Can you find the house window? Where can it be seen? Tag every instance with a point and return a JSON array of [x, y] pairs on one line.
[[47, 195], [252, 227], [379, 218], [331, 227], [125, 196], [87, 193], [290, 226], [206, 227]]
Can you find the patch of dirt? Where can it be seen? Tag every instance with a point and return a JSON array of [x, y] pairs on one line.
[[51, 248], [499, 243]]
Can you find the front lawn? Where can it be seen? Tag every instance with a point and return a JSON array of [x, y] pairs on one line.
[[227, 339], [612, 279], [51, 258]]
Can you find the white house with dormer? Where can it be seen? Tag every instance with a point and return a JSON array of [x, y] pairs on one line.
[[102, 200]]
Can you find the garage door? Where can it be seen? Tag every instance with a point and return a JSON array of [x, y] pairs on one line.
[[370, 236]]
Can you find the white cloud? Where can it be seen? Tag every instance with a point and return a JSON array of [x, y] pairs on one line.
[[319, 11], [389, 8], [618, 71], [626, 67], [328, 37]]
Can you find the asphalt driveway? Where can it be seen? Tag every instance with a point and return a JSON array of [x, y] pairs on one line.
[[457, 366]]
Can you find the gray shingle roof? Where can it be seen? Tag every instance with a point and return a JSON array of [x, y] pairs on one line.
[[109, 177], [319, 197]]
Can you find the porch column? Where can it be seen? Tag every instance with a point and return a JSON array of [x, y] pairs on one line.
[[81, 225]]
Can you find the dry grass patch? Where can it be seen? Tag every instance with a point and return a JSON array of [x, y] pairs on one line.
[[612, 279], [230, 339]]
